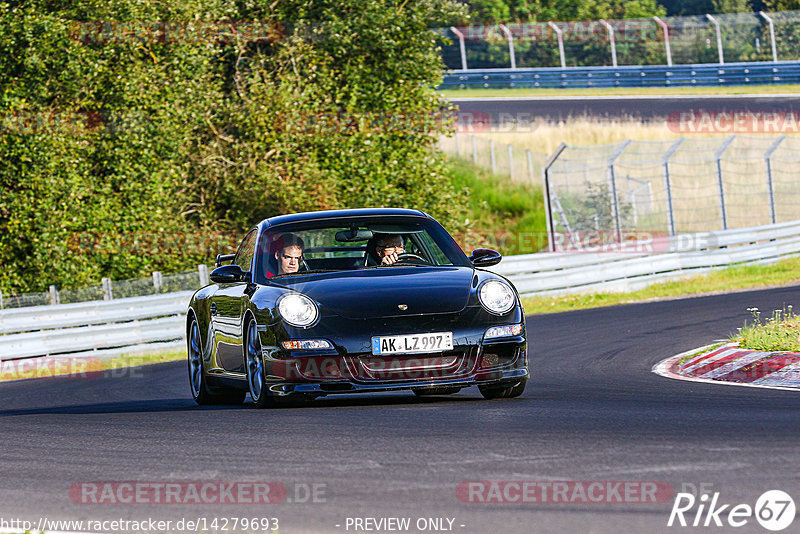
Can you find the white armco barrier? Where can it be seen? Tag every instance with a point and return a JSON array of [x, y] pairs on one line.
[[650, 261], [105, 326]]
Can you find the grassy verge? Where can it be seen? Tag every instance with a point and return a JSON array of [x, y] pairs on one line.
[[780, 332], [503, 215], [725, 280], [623, 91], [82, 367]]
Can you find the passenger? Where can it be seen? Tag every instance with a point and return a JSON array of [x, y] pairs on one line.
[[288, 254]]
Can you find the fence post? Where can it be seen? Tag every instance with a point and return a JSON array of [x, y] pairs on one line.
[[491, 151], [718, 158], [668, 185], [771, 35], [511, 161], [546, 197], [458, 148], [530, 165], [54, 297], [460, 46], [510, 45], [665, 29], [719, 38], [560, 38], [157, 281], [474, 150], [203, 272], [612, 40], [768, 160], [107, 291], [613, 181]]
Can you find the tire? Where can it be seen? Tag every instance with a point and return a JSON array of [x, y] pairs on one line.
[[256, 377], [503, 392], [436, 390], [202, 393]]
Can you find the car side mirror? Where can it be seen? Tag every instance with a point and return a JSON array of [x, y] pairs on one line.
[[485, 257], [228, 274]]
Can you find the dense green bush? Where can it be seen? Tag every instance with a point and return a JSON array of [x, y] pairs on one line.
[[121, 146]]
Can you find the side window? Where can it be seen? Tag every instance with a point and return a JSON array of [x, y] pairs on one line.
[[244, 257]]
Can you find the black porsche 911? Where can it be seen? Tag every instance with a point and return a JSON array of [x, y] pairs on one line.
[[352, 301]]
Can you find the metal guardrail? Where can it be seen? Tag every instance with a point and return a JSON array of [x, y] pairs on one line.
[[671, 258], [781, 72], [96, 327], [93, 326]]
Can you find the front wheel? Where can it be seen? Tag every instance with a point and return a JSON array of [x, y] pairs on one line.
[[503, 391], [202, 393], [254, 364]]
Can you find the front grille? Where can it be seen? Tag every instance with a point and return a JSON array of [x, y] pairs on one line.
[[447, 365]]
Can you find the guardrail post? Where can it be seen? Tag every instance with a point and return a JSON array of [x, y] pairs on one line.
[[771, 35], [668, 185], [560, 38], [665, 29], [493, 160], [613, 181], [107, 290], [510, 45], [461, 46], [768, 160], [611, 39], [718, 158], [157, 281], [474, 150], [203, 272], [54, 296], [719, 38], [511, 161]]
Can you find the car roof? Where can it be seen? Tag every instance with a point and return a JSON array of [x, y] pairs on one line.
[[337, 214]]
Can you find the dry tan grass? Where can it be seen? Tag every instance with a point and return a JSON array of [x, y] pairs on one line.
[[544, 137]]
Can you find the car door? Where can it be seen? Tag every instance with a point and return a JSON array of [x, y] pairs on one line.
[[227, 307]]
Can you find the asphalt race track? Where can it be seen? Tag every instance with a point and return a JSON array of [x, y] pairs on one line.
[[593, 412], [644, 108]]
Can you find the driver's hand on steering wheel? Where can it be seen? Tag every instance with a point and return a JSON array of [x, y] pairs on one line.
[[389, 258]]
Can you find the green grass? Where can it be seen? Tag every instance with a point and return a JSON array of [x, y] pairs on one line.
[[613, 91], [734, 278], [503, 215], [780, 332]]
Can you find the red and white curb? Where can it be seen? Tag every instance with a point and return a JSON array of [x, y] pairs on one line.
[[729, 365]]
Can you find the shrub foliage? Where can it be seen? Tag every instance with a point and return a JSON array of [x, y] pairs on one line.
[[140, 136]]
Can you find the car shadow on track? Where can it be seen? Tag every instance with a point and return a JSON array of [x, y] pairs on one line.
[[184, 405]]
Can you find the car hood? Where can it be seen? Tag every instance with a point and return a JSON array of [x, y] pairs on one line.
[[383, 291]]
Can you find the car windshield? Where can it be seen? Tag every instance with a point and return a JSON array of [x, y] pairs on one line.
[[352, 244]]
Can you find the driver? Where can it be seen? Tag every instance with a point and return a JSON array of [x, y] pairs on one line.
[[288, 254], [388, 247]]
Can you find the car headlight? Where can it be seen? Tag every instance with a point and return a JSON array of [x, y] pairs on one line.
[[496, 296], [298, 310]]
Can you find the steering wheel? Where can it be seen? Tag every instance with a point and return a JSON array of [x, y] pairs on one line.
[[409, 257]]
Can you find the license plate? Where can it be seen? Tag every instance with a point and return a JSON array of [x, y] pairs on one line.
[[412, 343]]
